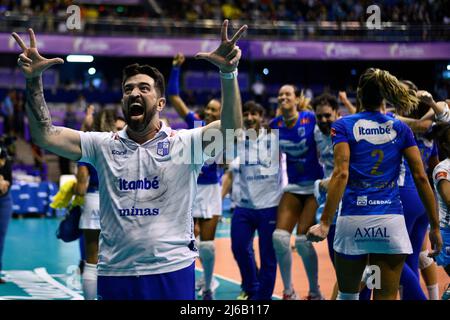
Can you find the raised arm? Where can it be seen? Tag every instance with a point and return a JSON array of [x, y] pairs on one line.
[[226, 58], [62, 141], [173, 88], [347, 104], [439, 108]]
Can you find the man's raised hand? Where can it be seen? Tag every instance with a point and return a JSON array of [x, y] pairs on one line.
[[227, 55], [30, 61]]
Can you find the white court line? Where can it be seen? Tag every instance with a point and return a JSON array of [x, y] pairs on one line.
[[42, 273], [232, 281]]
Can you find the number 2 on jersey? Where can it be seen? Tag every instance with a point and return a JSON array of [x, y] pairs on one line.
[[380, 154]]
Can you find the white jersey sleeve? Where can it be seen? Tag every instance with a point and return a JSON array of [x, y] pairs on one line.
[[442, 172], [90, 142], [444, 115]]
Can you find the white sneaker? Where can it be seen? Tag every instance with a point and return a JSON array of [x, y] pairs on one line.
[[290, 295], [199, 284], [214, 285]]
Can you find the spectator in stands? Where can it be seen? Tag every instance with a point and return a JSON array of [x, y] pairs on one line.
[[5, 198]]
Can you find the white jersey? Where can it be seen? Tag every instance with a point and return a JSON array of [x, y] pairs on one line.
[[445, 115], [442, 172], [146, 195], [256, 185], [325, 151]]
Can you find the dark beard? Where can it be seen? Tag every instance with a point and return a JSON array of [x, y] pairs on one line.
[[325, 128], [139, 126]]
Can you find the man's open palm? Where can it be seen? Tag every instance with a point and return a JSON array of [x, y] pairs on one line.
[[227, 55], [30, 61]]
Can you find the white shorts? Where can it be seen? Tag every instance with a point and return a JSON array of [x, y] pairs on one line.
[[90, 215], [208, 201], [306, 188], [357, 235]]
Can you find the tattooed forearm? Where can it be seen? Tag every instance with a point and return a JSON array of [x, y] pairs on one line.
[[37, 109]]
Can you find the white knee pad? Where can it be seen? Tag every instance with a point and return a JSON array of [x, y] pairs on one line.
[[206, 250], [424, 260], [281, 240]]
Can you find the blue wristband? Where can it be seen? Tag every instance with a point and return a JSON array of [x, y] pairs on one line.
[[173, 87]]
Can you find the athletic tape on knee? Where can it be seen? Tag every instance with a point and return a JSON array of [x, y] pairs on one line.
[[206, 250], [424, 260], [281, 241]]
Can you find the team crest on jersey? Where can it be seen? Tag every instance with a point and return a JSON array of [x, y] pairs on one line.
[[441, 174], [304, 121], [301, 131], [162, 148], [374, 132], [333, 132]]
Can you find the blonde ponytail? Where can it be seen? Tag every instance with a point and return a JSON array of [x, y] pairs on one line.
[[376, 85], [396, 93]]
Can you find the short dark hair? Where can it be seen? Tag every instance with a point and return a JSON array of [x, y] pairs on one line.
[[325, 99], [441, 133], [297, 90], [252, 106], [134, 69]]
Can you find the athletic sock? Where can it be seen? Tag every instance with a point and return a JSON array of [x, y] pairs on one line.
[[309, 257], [281, 244], [90, 281], [433, 292], [207, 257]]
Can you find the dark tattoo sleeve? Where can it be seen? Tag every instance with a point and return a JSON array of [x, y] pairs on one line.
[[37, 109]]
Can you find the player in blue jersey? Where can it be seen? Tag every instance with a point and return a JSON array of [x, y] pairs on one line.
[[368, 150], [147, 174], [257, 186], [87, 187], [298, 205], [207, 207], [441, 179], [415, 214]]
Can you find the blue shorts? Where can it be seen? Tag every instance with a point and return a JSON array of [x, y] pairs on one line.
[[176, 285], [443, 259]]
